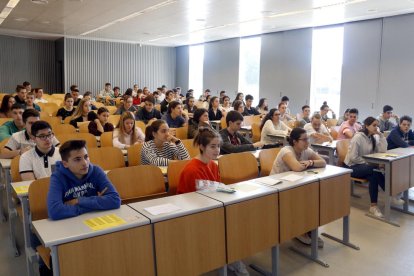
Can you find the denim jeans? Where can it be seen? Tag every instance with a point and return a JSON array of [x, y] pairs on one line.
[[375, 178]]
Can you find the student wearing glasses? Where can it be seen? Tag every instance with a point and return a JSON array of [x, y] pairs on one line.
[[348, 128], [272, 125], [298, 157], [37, 162], [385, 123], [127, 105]]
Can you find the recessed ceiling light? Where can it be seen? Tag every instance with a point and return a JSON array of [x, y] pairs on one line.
[[40, 2], [46, 22], [21, 19], [200, 19], [372, 10], [8, 9]]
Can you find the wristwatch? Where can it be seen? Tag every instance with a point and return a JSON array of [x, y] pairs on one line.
[[178, 141]]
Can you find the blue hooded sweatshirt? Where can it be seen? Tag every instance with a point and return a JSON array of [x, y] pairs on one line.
[[65, 186], [398, 139]]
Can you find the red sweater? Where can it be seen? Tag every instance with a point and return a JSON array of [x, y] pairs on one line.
[[196, 169]]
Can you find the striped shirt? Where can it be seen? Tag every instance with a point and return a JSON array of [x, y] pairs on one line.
[[151, 155]]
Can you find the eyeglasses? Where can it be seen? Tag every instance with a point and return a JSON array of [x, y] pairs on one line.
[[276, 114], [45, 137]]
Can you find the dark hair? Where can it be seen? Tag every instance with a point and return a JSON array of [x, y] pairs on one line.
[[237, 104], [280, 104], [305, 106], [248, 97], [69, 146], [36, 90], [353, 111], [367, 122], [226, 97], [106, 84], [68, 96], [172, 105], [198, 113], [261, 102], [5, 104], [204, 136], [128, 92], [17, 106], [30, 113], [233, 116], [222, 92], [284, 99], [155, 93], [150, 98], [406, 118], [140, 91], [20, 87], [295, 135], [126, 97], [39, 125], [212, 99], [238, 95], [187, 100], [87, 93], [168, 93], [154, 127], [73, 86], [75, 90], [387, 108], [102, 110], [347, 110], [117, 88], [268, 116], [26, 83], [92, 116], [324, 106]]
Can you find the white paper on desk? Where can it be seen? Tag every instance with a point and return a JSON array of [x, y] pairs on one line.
[[267, 180], [162, 209], [291, 177]]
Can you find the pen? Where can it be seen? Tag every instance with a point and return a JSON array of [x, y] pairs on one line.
[[103, 191], [314, 172]]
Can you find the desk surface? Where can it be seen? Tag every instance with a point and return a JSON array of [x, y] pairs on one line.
[[306, 178], [5, 163], [189, 203], [327, 145], [388, 156], [277, 136], [330, 171], [72, 229], [16, 185], [245, 190]]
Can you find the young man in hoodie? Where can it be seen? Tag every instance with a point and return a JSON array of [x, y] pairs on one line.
[[401, 136], [77, 186]]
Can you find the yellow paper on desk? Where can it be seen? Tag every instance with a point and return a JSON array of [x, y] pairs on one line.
[[22, 189], [104, 222], [163, 169], [388, 155]]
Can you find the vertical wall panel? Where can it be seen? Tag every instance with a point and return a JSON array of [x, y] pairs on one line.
[[90, 64], [23, 59], [183, 67]]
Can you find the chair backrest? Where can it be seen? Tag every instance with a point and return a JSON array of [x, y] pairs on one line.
[[237, 167], [342, 149], [173, 173], [3, 120], [141, 125], [83, 127], [134, 155], [53, 121], [223, 123], [331, 122], [192, 150], [267, 158], [114, 119], [111, 109], [248, 120], [256, 132], [3, 143], [89, 138], [181, 132], [67, 120], [106, 139], [14, 169], [138, 182], [291, 123], [38, 191], [64, 129], [108, 158]]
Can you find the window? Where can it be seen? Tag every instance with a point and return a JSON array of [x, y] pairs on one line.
[[249, 67], [195, 74], [327, 46]]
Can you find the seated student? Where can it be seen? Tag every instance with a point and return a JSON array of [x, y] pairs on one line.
[[148, 113], [298, 157], [99, 122], [385, 124], [67, 110], [214, 112], [226, 106], [221, 96], [39, 96], [249, 110], [126, 106], [127, 134], [401, 136], [324, 112], [27, 86], [204, 96], [284, 116], [157, 97], [77, 186], [88, 96], [136, 100], [305, 116], [317, 132], [239, 97], [22, 141], [81, 113], [6, 105], [201, 167], [169, 97], [350, 127], [200, 119], [174, 116], [368, 140], [271, 124], [116, 93], [30, 104], [107, 91], [37, 162], [238, 106], [343, 118], [262, 107], [20, 97], [10, 127], [233, 141], [285, 100], [190, 106], [160, 146], [74, 91]]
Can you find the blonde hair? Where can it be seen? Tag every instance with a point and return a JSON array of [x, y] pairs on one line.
[[79, 109], [122, 133]]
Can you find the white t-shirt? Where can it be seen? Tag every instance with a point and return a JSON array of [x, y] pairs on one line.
[[39, 164], [279, 166], [310, 130], [270, 128], [21, 140]]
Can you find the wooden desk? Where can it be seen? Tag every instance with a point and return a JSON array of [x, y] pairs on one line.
[[191, 240], [329, 147], [3, 163], [78, 250], [282, 139]]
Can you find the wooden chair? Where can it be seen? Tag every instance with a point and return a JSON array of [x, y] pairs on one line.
[[158, 107], [342, 149], [38, 191], [51, 109], [53, 121], [141, 125], [181, 132], [331, 122], [237, 167], [67, 120], [3, 143], [256, 132], [223, 123], [291, 124], [111, 109], [192, 150], [64, 129], [83, 127], [108, 158], [106, 139], [89, 138], [3, 120], [114, 119], [58, 96], [173, 174], [138, 182], [134, 155], [14, 169], [267, 158]]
